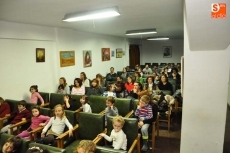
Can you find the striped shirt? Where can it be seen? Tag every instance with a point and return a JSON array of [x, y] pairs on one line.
[[145, 112]]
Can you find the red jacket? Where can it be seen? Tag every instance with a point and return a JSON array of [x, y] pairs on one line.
[[19, 115], [4, 109]]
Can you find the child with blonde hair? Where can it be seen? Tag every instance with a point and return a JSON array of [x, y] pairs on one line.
[[86, 146], [117, 135], [144, 112], [57, 123]]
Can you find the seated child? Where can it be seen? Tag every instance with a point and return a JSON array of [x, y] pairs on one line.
[[35, 95], [4, 109], [57, 123], [86, 146], [18, 115], [36, 149], [110, 110], [36, 121], [68, 102], [11, 145], [110, 91], [144, 112], [85, 104], [117, 135]]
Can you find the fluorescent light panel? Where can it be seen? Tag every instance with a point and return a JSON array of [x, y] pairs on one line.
[[96, 14], [158, 38], [141, 32]]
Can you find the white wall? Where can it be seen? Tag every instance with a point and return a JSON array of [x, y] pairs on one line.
[[18, 66], [152, 51], [206, 75], [79, 41]]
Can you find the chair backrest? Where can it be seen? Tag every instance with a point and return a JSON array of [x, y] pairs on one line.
[[4, 137], [130, 129], [76, 102], [90, 125], [55, 99], [87, 89], [100, 149], [49, 149], [167, 92], [123, 105], [174, 84], [46, 111], [97, 103], [45, 96], [71, 115], [13, 104]]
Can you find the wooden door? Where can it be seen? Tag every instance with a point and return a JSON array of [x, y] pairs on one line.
[[134, 56]]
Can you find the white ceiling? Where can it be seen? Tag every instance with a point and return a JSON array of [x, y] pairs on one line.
[[164, 15]]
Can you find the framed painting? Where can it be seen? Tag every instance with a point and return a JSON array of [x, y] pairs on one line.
[[87, 58], [112, 53], [105, 54], [167, 51], [40, 54], [67, 58], [119, 53]]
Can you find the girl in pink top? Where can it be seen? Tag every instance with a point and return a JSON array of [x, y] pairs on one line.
[[78, 88], [35, 95], [36, 121]]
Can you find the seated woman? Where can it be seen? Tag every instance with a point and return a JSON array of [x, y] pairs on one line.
[[101, 80], [164, 84], [78, 88], [175, 75], [134, 93], [95, 89], [62, 87], [124, 73], [138, 77], [84, 79], [129, 84], [150, 86], [110, 91], [120, 89], [140, 71]]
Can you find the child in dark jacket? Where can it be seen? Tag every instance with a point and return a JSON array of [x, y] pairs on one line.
[[18, 115], [4, 108]]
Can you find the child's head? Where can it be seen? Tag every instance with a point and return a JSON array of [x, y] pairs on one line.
[[144, 101], [1, 101], [84, 99], [62, 81], [110, 88], [21, 105], [12, 144], [36, 149], [59, 111], [110, 101], [94, 83], [86, 146], [61, 86], [34, 88], [67, 97], [35, 110], [118, 123]]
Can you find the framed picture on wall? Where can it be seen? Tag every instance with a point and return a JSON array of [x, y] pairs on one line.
[[87, 58], [67, 58], [105, 54], [167, 51], [119, 53], [40, 54]]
